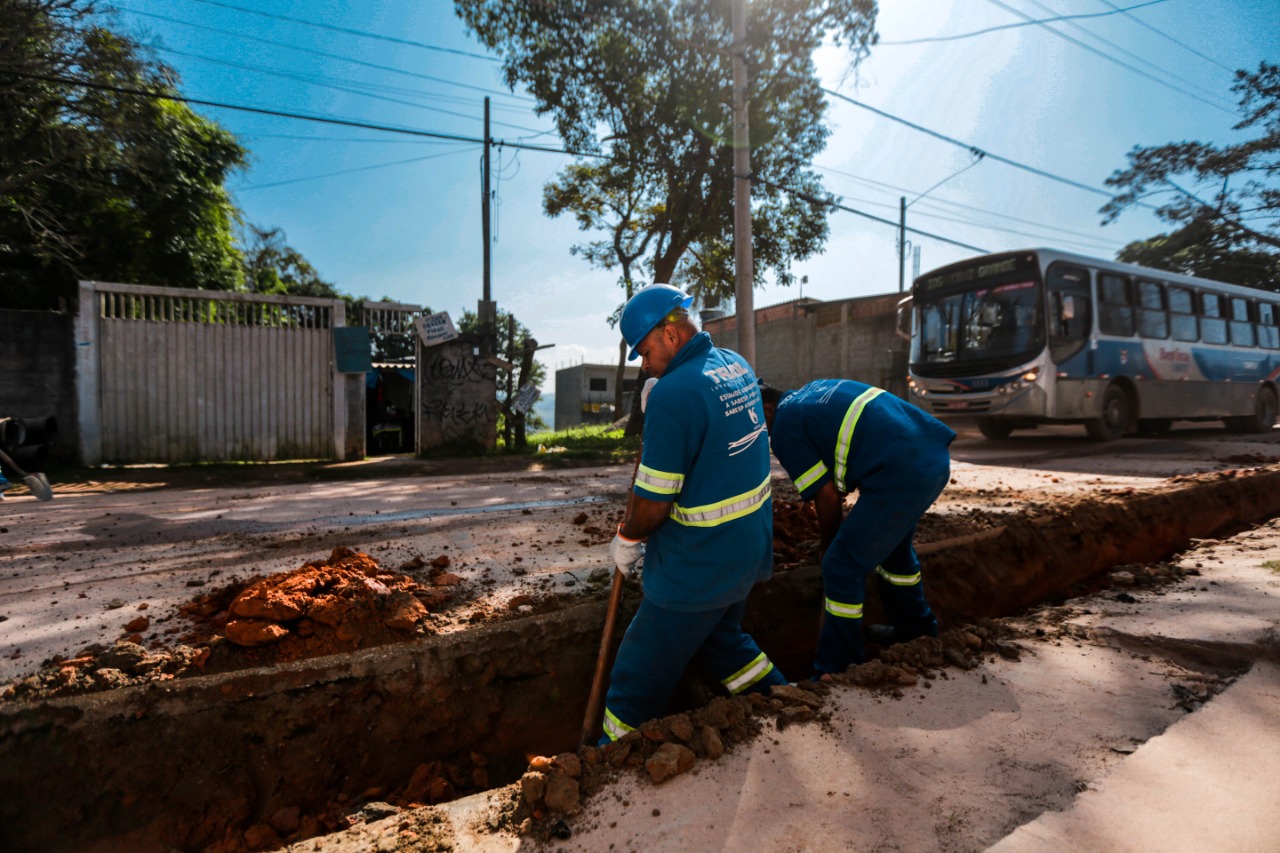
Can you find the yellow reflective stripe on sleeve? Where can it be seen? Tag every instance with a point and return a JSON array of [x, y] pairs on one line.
[[845, 437], [844, 611], [813, 475], [898, 580], [715, 514], [659, 482], [613, 727], [749, 674]]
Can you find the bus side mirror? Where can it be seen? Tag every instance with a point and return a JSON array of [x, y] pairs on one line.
[[903, 319]]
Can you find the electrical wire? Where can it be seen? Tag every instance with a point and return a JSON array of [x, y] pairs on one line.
[[351, 171], [1118, 49], [1108, 57], [983, 32], [1168, 37], [353, 32], [350, 89], [286, 46]]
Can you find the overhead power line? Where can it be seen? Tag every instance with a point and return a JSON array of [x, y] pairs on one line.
[[1108, 56], [1121, 50], [835, 205], [354, 89], [361, 33], [1168, 37], [352, 171], [1055, 19], [321, 53], [522, 146], [936, 135]]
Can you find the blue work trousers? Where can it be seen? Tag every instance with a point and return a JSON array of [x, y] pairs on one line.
[[876, 537], [657, 647]]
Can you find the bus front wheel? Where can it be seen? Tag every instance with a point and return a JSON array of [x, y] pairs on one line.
[[1114, 420], [994, 428], [1264, 412]]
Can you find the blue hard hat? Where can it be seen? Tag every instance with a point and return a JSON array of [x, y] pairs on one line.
[[644, 311]]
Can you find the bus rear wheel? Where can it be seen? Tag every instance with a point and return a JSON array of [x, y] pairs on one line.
[[994, 428], [1264, 412], [1114, 420]]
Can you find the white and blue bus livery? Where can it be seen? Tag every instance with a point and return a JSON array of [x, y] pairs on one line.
[[1042, 336]]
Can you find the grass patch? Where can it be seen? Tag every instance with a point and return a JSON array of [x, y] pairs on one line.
[[1273, 565], [599, 441]]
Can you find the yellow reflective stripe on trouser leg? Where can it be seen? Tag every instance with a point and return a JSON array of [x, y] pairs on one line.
[[613, 727], [844, 611], [898, 580], [749, 674], [845, 437]]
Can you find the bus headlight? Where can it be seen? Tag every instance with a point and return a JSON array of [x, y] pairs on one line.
[[1024, 381]]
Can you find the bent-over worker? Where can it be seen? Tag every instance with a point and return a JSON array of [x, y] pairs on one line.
[[836, 435], [703, 504]]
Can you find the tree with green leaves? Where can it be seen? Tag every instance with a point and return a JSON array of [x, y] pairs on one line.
[[273, 266], [1224, 198], [645, 86], [1205, 249], [516, 346], [97, 182]]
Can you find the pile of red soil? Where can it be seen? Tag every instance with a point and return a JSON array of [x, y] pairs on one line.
[[341, 604]]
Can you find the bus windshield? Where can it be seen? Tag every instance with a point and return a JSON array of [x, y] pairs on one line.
[[983, 323]]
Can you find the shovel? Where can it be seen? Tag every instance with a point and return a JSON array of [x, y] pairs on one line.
[[594, 701], [37, 483]]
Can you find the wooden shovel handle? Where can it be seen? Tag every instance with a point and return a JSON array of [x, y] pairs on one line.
[[596, 699]]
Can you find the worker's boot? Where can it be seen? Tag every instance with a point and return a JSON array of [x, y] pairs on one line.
[[888, 635]]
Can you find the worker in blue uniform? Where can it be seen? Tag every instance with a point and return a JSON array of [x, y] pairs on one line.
[[834, 436], [702, 518]]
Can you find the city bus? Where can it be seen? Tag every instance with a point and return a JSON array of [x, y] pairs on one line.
[[1041, 336]]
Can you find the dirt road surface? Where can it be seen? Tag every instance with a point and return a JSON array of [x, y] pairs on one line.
[[1133, 720]]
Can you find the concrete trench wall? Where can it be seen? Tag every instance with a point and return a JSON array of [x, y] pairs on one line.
[[174, 765]]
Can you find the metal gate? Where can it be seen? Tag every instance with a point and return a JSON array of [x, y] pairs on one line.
[[174, 375]]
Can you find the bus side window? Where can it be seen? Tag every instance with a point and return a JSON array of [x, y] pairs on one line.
[[1182, 315], [1213, 321], [1069, 307], [1268, 325], [1153, 322], [1241, 328], [1115, 313]]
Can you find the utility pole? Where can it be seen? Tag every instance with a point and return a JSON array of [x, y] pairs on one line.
[[977, 154], [902, 241], [486, 311], [744, 273]]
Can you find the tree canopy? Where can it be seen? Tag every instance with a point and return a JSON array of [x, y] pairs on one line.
[[643, 88], [1224, 198], [270, 265], [96, 182]]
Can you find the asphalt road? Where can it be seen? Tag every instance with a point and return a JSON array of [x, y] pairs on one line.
[[74, 570]]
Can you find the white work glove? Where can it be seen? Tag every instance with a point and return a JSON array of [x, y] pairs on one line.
[[644, 392], [626, 553]]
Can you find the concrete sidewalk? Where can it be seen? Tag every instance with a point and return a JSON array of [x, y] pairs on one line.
[[1085, 744]]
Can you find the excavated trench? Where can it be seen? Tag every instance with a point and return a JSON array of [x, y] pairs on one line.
[[193, 762]]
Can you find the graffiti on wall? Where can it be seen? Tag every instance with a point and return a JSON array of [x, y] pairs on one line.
[[457, 395]]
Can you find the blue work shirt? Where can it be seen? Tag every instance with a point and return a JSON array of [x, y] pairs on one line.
[[852, 433], [706, 452]]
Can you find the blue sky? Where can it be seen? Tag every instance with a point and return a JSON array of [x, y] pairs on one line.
[[383, 214]]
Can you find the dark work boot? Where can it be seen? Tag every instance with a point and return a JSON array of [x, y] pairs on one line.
[[888, 635]]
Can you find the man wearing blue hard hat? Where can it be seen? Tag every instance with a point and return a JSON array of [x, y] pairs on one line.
[[704, 510]]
